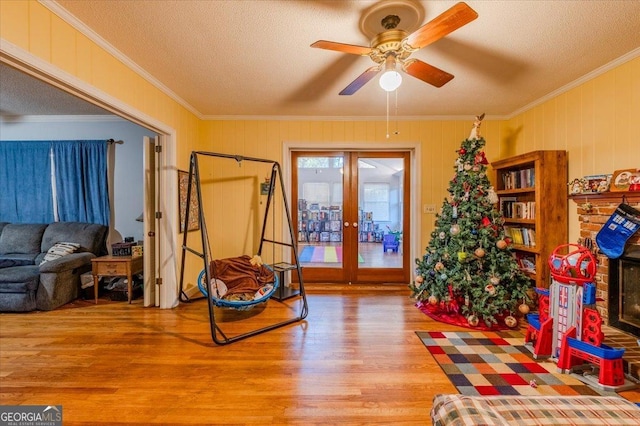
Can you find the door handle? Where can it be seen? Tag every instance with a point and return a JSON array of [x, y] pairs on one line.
[[355, 224]]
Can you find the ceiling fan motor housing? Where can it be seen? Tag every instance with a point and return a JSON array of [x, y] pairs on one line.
[[388, 41]]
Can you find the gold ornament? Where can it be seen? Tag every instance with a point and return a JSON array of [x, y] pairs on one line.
[[473, 320], [501, 244], [510, 321], [419, 279], [479, 252], [524, 309], [433, 300]]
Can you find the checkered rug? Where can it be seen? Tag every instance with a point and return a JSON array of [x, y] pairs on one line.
[[497, 363]]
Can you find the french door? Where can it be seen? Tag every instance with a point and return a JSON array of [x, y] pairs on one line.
[[352, 214]]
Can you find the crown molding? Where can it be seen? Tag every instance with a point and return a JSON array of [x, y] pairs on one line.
[[585, 78], [66, 16], [347, 118]]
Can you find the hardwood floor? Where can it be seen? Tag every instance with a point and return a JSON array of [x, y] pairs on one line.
[[355, 360]]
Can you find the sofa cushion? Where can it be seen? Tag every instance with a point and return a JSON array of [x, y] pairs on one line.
[[17, 259], [19, 279], [59, 250], [21, 238], [18, 288], [90, 236]]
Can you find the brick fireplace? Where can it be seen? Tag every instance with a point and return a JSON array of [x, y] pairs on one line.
[[594, 210]]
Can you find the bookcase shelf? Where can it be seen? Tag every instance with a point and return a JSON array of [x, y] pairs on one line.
[[532, 190], [320, 225]]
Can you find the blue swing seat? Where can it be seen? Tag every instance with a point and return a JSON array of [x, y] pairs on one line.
[[241, 305]]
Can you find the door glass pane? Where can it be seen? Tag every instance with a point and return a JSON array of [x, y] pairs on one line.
[[380, 212], [320, 211]]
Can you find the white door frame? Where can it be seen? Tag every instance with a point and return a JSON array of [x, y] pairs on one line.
[[166, 231], [415, 154]]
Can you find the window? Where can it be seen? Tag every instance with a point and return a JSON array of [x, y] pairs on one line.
[[316, 193], [376, 200]]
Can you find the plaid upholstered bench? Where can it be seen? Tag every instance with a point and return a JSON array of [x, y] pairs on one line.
[[460, 410]]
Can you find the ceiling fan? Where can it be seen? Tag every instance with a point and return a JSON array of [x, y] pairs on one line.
[[392, 48]]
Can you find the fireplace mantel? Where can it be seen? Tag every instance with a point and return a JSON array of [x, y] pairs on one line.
[[607, 197]]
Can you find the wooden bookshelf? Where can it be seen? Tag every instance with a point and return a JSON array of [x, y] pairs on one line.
[[537, 180]]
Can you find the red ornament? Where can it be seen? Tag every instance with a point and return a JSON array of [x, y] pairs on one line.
[[485, 221], [462, 151], [481, 158]]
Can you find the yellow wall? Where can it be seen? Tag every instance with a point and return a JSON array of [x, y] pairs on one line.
[[596, 123], [593, 121], [439, 141]]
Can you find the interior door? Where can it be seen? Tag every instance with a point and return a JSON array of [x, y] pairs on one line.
[[151, 202], [379, 195], [345, 204]]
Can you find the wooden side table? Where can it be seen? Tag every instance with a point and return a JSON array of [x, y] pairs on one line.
[[116, 266]]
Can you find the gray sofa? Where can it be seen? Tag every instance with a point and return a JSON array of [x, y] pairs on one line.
[[25, 284]]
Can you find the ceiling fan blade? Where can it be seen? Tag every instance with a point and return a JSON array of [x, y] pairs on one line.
[[362, 79], [342, 47], [427, 73], [450, 20]]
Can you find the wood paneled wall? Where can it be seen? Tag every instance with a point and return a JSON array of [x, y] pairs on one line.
[[597, 123]]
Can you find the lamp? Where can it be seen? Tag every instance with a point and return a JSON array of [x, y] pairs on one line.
[[390, 79]]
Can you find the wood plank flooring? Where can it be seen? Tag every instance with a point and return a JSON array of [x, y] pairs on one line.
[[355, 360]]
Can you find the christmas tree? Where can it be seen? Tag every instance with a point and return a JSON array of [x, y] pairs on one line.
[[468, 275]]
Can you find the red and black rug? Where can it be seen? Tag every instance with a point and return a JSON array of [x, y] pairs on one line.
[[497, 363]]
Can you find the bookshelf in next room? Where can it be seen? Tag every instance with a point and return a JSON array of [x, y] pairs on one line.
[[319, 223], [369, 231], [532, 190]]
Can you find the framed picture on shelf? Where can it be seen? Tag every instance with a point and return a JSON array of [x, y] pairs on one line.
[[621, 180], [634, 182], [194, 210], [597, 183]]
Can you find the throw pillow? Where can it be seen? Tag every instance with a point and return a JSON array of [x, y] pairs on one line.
[[60, 249]]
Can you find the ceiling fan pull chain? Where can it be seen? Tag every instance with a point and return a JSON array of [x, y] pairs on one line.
[[397, 132], [387, 115]]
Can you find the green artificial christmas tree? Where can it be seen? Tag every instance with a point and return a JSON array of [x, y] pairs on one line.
[[468, 275]]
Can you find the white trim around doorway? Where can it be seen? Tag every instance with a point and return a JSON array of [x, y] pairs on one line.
[[166, 230], [415, 179]]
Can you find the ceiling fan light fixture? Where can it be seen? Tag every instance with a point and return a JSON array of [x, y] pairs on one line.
[[390, 79]]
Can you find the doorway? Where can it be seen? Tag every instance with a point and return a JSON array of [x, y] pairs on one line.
[[352, 212]]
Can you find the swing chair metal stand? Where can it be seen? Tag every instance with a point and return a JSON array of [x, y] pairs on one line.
[[217, 334]]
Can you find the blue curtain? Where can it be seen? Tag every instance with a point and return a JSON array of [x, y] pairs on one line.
[[81, 181], [25, 182]]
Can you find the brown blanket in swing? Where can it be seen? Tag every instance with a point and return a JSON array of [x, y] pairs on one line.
[[242, 278]]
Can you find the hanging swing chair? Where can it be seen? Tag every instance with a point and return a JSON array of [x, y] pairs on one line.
[[242, 283], [240, 305]]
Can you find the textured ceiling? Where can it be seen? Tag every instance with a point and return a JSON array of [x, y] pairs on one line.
[[253, 58]]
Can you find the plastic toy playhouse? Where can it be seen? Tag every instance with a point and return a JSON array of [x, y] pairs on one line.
[[567, 325]]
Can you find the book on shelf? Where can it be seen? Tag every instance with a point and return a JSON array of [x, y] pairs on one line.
[[511, 208], [516, 179], [526, 262], [521, 235]]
